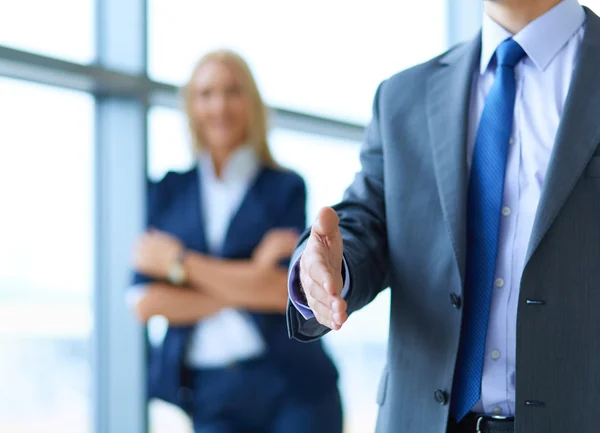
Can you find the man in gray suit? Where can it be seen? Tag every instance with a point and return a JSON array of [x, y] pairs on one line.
[[478, 204]]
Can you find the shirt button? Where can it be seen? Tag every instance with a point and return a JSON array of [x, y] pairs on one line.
[[506, 211], [497, 410], [495, 354], [499, 282], [511, 141]]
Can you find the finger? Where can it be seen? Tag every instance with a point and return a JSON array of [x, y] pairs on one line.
[[326, 223], [339, 319], [314, 290], [334, 326], [326, 320], [320, 310], [321, 274], [329, 311], [329, 323], [324, 314], [339, 307], [337, 311]]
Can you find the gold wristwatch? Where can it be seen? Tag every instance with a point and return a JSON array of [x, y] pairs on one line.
[[176, 274]]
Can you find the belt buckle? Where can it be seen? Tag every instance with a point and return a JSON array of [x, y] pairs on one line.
[[478, 424], [481, 418]]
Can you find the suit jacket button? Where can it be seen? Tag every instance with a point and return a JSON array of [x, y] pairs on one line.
[[441, 396], [455, 300]]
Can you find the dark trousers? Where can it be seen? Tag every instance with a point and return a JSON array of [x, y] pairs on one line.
[[253, 397]]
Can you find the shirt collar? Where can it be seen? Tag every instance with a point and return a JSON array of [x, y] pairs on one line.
[[542, 39], [242, 166]]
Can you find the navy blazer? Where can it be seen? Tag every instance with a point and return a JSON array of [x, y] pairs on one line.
[[276, 199]]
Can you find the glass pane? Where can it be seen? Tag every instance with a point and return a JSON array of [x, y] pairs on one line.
[[312, 157], [46, 259], [168, 142], [323, 57], [58, 28], [593, 5]]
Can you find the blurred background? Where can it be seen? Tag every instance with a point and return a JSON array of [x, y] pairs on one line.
[[89, 106]]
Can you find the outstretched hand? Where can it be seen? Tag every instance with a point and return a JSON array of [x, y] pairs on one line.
[[321, 271]]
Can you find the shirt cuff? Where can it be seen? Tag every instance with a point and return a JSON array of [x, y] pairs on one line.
[[345, 280], [135, 294], [297, 296]]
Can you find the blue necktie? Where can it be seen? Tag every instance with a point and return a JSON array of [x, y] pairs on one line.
[[484, 204]]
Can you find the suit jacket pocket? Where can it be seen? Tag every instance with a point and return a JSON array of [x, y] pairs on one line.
[[382, 389], [593, 167]]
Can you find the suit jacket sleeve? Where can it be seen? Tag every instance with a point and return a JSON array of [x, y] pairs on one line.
[[363, 228], [155, 194]]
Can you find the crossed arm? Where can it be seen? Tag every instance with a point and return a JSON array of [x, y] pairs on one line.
[[257, 284], [239, 283], [180, 305]]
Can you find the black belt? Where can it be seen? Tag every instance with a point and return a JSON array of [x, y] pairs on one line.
[[473, 423]]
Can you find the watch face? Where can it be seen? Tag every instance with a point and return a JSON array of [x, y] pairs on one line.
[[176, 274]]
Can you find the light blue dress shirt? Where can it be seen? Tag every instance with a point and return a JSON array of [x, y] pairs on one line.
[[551, 44]]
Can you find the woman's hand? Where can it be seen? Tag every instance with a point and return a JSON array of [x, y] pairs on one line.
[[155, 252], [276, 245], [258, 284]]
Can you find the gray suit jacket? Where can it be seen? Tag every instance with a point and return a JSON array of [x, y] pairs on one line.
[[403, 225]]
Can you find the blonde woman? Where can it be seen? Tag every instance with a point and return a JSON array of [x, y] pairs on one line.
[[213, 263]]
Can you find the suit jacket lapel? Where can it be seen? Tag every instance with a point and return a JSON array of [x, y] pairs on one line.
[[193, 213], [246, 225], [577, 137], [448, 104]]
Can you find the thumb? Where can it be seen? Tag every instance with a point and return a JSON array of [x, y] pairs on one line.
[[326, 223]]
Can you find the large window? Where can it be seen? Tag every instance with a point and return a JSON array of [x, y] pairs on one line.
[[321, 57], [46, 259], [58, 28]]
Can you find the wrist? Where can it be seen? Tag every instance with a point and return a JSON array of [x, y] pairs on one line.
[[196, 266], [176, 274]]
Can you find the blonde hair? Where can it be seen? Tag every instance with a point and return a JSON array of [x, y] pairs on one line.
[[258, 117]]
